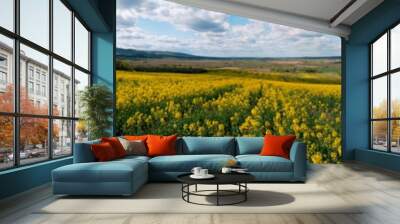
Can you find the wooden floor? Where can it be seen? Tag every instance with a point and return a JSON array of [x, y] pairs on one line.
[[378, 189]]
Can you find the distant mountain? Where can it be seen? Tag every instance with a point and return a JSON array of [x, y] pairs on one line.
[[138, 54], [133, 54]]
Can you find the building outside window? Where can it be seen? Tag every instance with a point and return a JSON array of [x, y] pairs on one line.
[[3, 61], [37, 75], [43, 90], [30, 72], [43, 77], [30, 87], [3, 72], [3, 78], [38, 89]]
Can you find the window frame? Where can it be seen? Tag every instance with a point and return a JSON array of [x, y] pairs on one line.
[[388, 74], [16, 114]]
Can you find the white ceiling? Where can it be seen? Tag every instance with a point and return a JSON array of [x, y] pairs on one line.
[[315, 15], [321, 9]]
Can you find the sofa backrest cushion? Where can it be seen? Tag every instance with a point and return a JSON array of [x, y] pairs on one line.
[[249, 145], [83, 152], [104, 152], [161, 145], [206, 145]]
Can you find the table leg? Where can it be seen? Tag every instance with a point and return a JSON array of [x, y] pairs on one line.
[[188, 189], [217, 194], [182, 189], [195, 188], [245, 193]]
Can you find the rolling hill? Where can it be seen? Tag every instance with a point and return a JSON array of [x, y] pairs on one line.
[[133, 54]]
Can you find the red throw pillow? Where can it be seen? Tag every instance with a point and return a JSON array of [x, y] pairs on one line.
[[116, 145], [136, 137], [277, 145], [161, 145], [103, 152]]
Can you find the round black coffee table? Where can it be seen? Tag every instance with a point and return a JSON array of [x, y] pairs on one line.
[[238, 179]]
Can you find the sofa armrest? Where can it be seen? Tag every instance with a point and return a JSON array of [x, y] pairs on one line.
[[298, 155], [83, 152]]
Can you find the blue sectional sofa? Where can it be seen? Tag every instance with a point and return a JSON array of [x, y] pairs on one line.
[[125, 176]]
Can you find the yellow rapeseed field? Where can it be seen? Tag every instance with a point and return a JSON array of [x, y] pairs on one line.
[[210, 105]]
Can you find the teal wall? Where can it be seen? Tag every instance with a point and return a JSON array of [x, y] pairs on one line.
[[103, 62], [103, 51], [100, 16], [24, 178], [356, 85]]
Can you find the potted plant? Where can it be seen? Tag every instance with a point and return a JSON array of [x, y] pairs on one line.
[[96, 102]]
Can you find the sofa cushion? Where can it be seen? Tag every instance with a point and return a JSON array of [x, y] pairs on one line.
[[277, 145], [249, 145], [136, 137], [116, 145], [207, 145], [257, 163], [134, 147], [185, 163], [132, 158], [161, 145], [112, 171], [103, 152]]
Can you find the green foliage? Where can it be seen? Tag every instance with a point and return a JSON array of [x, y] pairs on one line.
[[174, 69], [286, 70], [304, 77], [128, 66], [97, 103]]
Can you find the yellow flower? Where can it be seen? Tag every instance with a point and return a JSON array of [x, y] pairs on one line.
[[178, 115], [218, 105], [316, 158]]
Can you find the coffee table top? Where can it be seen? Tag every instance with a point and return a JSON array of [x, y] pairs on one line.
[[220, 178]]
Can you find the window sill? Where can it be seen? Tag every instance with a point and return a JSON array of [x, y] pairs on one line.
[[26, 167], [381, 159]]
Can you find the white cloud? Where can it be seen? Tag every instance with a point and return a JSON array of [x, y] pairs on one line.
[[213, 35], [183, 17]]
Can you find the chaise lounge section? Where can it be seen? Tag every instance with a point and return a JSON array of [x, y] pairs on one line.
[[125, 176]]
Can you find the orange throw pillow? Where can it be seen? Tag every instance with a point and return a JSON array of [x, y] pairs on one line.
[[136, 137], [103, 152], [161, 145], [116, 145], [277, 145]]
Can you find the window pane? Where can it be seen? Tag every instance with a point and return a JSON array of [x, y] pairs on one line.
[[34, 97], [379, 55], [62, 138], [62, 29], [395, 94], [81, 82], [6, 142], [81, 131], [33, 140], [81, 45], [62, 89], [35, 21], [395, 47], [395, 138], [7, 14], [379, 135], [6, 74], [379, 97]]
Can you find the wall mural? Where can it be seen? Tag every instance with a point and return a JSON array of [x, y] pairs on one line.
[[229, 77]]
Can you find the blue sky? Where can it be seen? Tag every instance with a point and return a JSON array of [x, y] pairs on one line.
[[165, 26]]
